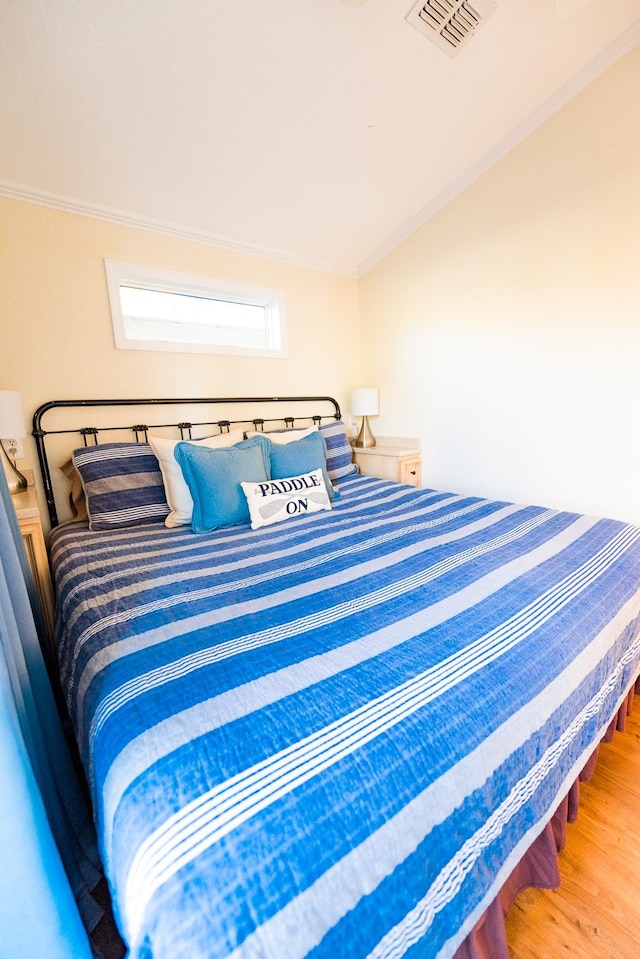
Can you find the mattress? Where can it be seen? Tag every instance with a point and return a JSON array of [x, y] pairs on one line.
[[336, 736]]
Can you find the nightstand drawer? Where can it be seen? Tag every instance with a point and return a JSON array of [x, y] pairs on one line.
[[390, 462], [410, 470]]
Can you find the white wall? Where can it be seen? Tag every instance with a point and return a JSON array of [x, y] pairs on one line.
[[506, 331], [56, 337]]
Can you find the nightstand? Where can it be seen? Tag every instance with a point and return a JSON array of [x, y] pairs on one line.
[[26, 507], [398, 463]]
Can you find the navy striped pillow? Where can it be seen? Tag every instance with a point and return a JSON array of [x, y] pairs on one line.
[[122, 484], [339, 453]]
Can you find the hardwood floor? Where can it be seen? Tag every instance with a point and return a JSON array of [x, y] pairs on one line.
[[595, 914]]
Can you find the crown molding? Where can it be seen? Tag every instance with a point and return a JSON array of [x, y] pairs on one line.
[[615, 51], [16, 191]]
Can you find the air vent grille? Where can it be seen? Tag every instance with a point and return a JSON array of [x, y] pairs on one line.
[[450, 23]]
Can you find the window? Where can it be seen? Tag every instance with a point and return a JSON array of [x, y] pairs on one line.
[[154, 309]]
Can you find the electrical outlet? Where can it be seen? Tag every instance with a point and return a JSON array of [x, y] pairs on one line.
[[14, 448]]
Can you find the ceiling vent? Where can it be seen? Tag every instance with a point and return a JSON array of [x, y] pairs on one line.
[[450, 24]]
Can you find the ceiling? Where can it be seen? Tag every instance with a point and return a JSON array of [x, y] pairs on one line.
[[320, 132]]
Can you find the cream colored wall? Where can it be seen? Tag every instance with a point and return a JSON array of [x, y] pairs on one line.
[[506, 331], [56, 338]]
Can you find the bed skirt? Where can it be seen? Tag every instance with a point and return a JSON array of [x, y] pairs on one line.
[[538, 867]]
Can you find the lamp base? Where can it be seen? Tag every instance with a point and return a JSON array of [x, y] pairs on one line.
[[16, 481], [365, 438]]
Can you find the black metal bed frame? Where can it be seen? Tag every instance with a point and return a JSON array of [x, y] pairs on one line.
[[140, 430]]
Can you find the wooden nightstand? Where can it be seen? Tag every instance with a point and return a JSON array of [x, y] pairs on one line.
[[26, 507], [401, 464]]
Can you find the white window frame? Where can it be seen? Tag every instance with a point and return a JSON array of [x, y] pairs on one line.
[[167, 281]]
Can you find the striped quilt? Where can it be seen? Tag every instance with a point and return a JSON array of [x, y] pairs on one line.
[[335, 737]]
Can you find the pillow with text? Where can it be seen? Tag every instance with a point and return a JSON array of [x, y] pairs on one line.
[[276, 500]]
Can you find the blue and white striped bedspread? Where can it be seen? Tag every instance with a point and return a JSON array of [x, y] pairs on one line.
[[336, 736]]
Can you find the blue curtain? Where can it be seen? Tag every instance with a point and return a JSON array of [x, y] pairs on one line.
[[48, 861]]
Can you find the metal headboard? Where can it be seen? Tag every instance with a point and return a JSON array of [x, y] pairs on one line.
[[140, 430]]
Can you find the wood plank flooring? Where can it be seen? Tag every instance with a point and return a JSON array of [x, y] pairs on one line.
[[595, 914]]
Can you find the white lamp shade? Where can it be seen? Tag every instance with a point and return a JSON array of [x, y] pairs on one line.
[[364, 401], [11, 415]]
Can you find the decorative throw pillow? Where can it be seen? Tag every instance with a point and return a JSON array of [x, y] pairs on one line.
[[175, 487], [339, 452], [283, 436], [276, 500], [77, 500], [122, 484], [301, 456], [214, 477]]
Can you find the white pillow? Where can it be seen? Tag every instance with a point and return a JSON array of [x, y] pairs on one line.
[[276, 500], [175, 486], [286, 436]]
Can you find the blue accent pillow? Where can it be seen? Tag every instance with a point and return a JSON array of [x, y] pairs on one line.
[[214, 477], [301, 456], [339, 452], [122, 484]]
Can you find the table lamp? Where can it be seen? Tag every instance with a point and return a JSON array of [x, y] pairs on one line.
[[364, 403], [12, 428]]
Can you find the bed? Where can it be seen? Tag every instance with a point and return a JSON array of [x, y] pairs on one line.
[[336, 735]]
